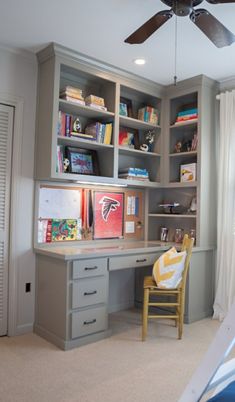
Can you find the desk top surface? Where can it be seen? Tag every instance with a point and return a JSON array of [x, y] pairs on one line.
[[72, 252]]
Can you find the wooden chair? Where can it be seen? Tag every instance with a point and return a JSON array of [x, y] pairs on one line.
[[150, 288]]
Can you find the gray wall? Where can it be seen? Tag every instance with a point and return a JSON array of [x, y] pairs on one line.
[[18, 78]]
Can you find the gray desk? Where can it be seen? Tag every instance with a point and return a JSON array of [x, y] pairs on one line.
[[72, 287]]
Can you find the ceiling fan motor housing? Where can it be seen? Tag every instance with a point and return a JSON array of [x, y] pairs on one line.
[[182, 7]]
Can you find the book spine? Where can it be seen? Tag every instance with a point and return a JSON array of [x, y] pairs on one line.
[[98, 131], [187, 116], [67, 125], [108, 133]]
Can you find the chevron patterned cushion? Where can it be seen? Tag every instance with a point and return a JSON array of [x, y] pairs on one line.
[[167, 270]]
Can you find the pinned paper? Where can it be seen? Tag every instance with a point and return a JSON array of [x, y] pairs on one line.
[[130, 227], [131, 205]]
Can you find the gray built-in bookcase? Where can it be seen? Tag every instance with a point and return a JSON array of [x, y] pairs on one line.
[[59, 66]]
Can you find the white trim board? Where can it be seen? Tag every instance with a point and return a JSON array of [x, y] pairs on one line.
[[18, 104]]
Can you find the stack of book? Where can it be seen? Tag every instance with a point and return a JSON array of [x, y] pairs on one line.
[[187, 115], [134, 174], [100, 132], [148, 114], [96, 102], [72, 94]]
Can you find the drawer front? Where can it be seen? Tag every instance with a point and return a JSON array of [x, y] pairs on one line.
[[132, 261], [86, 292], [89, 321], [89, 267]]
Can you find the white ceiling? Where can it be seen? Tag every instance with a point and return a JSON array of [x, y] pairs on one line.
[[98, 28]]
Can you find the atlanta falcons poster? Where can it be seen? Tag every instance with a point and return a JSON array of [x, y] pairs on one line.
[[108, 215]]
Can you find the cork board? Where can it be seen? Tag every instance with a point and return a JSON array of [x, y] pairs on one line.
[[133, 215]]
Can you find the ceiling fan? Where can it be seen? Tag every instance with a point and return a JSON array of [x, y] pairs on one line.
[[205, 21]]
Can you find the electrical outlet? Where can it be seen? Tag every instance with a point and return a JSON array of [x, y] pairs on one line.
[[27, 287]]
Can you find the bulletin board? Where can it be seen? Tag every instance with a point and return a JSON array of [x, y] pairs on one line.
[[71, 213], [59, 214], [133, 215]]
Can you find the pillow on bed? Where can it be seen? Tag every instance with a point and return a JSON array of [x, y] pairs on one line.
[[168, 269], [226, 395]]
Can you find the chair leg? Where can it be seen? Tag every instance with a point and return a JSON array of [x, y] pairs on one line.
[[181, 317], [145, 314]]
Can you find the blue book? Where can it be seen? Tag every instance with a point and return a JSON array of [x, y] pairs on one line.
[[189, 111]]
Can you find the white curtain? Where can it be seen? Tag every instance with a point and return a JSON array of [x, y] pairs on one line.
[[225, 269]]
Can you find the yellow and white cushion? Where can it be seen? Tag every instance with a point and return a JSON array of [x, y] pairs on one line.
[[168, 269]]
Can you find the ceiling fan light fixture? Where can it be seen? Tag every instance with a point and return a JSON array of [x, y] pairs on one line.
[[140, 61]]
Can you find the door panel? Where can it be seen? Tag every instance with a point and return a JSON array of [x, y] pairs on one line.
[[6, 127]]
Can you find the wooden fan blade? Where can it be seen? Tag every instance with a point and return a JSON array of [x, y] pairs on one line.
[[212, 28], [149, 27], [220, 2]]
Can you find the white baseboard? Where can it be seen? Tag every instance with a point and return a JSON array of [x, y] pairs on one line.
[[24, 329], [120, 306]]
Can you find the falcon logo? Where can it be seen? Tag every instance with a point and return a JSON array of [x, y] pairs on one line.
[[108, 205]]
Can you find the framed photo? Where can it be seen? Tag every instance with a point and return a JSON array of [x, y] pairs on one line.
[[108, 215], [82, 161], [129, 138], [125, 107]]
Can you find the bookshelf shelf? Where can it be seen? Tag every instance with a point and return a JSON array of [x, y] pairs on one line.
[[184, 184], [82, 143], [179, 154], [184, 124], [179, 216], [129, 122], [138, 183], [83, 110], [130, 151]]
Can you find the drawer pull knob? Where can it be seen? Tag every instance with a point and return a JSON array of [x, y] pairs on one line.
[[143, 260], [90, 293], [90, 268], [89, 322]]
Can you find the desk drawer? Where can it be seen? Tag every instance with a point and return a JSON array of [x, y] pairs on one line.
[[89, 267], [132, 261], [86, 292], [88, 321]]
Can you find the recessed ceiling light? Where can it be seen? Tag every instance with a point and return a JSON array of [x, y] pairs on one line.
[[140, 61]]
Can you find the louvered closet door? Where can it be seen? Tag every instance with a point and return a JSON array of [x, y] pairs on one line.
[[6, 126]]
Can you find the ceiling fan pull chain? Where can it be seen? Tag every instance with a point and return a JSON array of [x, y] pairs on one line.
[[175, 76]]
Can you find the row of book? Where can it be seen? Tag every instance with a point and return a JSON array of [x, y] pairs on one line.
[[73, 94], [70, 126], [99, 132], [148, 114], [187, 115], [134, 174]]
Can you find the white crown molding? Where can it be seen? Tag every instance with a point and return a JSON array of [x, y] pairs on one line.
[[26, 54], [227, 84]]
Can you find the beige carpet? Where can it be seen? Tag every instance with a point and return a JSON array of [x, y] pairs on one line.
[[118, 369]]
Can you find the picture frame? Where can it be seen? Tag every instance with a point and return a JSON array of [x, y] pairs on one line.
[[82, 161], [108, 215], [125, 108]]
